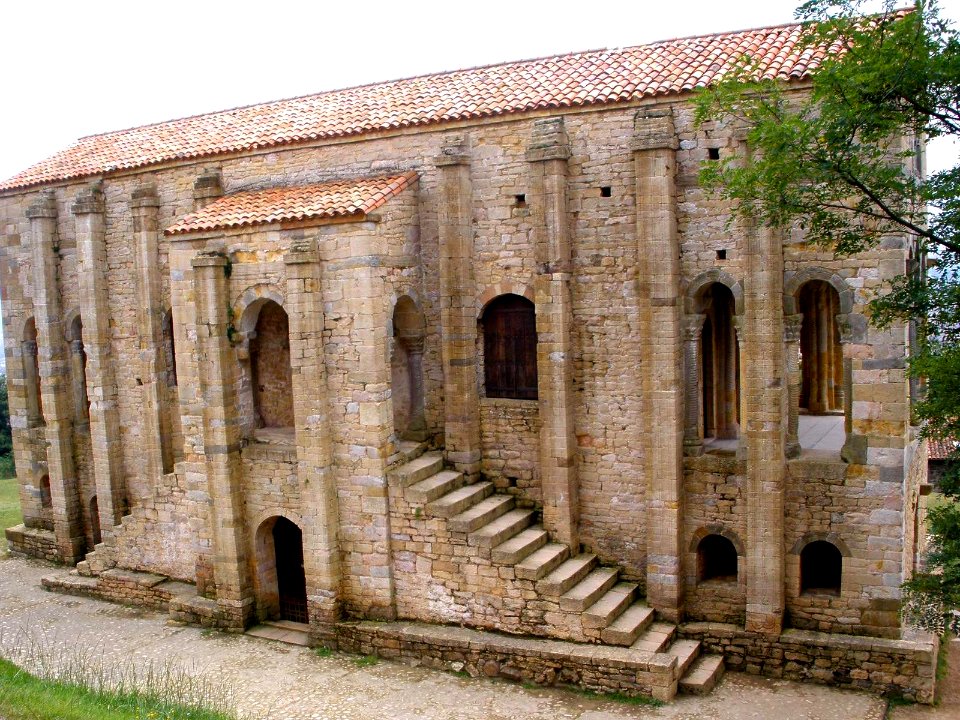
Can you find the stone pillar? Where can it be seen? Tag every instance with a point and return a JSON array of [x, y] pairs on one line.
[[107, 461], [654, 146], [458, 312], [207, 188], [762, 431], [548, 154], [144, 206], [693, 428], [78, 369], [318, 490], [363, 500], [55, 381], [791, 345], [221, 440]]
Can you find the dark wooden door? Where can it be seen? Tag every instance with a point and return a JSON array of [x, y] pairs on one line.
[[291, 581], [510, 348]]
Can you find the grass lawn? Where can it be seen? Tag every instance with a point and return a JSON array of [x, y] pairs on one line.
[[9, 506], [25, 697]]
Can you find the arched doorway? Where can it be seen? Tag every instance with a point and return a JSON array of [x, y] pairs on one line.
[[280, 575]]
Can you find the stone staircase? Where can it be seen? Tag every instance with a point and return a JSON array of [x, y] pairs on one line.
[[610, 611]]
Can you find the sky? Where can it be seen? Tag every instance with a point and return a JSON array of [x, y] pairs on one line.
[[73, 69]]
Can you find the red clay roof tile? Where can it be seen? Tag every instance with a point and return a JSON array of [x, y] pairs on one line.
[[340, 198], [586, 78]]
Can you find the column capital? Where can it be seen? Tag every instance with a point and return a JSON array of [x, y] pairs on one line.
[[791, 327], [144, 196], [548, 141], [45, 206], [210, 259], [29, 348], [693, 325], [76, 346], [653, 129], [208, 186], [453, 152], [89, 201]]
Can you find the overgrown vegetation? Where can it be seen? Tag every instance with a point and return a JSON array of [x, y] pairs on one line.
[[834, 164], [42, 680]]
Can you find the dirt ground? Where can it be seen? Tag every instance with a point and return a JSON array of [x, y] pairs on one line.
[[948, 694]]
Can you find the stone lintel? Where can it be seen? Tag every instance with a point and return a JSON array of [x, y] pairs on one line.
[[89, 200], [45, 206], [451, 159], [654, 130]]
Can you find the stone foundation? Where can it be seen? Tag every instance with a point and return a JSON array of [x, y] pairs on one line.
[[544, 662], [894, 668], [32, 542]]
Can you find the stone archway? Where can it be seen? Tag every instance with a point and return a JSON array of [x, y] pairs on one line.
[[281, 581]]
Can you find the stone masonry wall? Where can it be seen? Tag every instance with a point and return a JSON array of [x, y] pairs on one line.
[[510, 439]]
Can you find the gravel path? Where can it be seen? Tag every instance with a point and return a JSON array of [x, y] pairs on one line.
[[282, 682]]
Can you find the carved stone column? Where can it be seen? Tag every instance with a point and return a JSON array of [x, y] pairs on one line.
[[55, 381], [693, 426], [458, 321], [654, 146], [221, 441], [548, 154], [88, 211], [791, 344], [144, 206], [417, 426], [762, 428], [31, 375], [78, 368], [314, 456]]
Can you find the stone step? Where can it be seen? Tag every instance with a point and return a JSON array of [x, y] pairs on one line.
[[457, 501], [520, 546], [420, 469], [480, 514], [567, 575], [542, 562], [655, 638], [703, 675], [685, 651], [434, 487], [610, 606], [627, 628], [503, 528], [586, 592]]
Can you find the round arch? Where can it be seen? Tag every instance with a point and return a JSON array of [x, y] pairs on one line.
[[247, 306], [504, 287], [704, 280], [716, 529], [829, 537], [794, 281]]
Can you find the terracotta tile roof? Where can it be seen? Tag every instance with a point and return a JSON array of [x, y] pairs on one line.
[[586, 78], [941, 449], [340, 198]]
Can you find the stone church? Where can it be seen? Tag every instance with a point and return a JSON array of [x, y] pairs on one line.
[[473, 355]]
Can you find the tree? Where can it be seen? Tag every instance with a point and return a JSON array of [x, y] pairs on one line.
[[843, 162], [6, 441]]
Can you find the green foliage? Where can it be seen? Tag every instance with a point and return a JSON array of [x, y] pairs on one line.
[[322, 652], [843, 164], [366, 661], [6, 439]]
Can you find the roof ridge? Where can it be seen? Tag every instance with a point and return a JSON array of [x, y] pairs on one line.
[[441, 73]]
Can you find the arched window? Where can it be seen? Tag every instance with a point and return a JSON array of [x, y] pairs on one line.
[[821, 566], [270, 367], [78, 372], [821, 355], [716, 559], [169, 348], [46, 501], [720, 365], [510, 348], [31, 373], [406, 370]]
